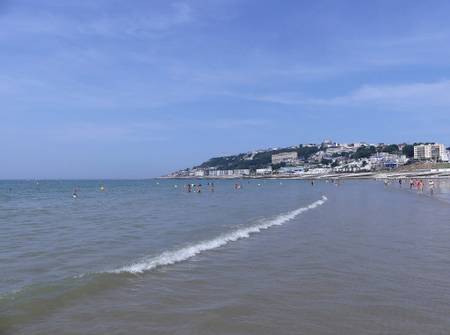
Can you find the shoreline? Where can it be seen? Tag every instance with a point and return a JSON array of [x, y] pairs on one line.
[[423, 174]]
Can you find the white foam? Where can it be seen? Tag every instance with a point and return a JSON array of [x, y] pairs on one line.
[[179, 255]]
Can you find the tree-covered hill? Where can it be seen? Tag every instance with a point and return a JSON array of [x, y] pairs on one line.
[[258, 160]]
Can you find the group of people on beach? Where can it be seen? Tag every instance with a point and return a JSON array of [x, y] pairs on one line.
[[419, 185], [197, 188]]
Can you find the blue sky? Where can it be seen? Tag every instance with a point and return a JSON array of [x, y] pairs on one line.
[[131, 89]]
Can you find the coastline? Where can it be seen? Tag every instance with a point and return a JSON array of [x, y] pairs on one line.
[[424, 174]]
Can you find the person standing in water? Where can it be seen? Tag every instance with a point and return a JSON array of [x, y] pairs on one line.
[[431, 184]]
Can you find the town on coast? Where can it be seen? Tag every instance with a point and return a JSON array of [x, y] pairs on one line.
[[329, 160]]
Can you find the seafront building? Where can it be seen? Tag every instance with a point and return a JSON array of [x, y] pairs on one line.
[[264, 171], [384, 160], [228, 173], [220, 173], [354, 166], [199, 173], [430, 151]]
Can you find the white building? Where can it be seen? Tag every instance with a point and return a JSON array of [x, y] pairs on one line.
[[241, 172], [220, 173], [328, 143], [290, 157], [291, 169], [264, 171], [316, 171], [199, 173], [355, 166], [213, 173], [380, 158], [430, 151]]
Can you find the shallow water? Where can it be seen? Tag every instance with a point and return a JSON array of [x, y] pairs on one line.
[[146, 257]]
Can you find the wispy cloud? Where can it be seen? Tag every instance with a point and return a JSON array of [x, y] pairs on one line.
[[401, 96], [95, 21], [106, 132], [145, 131], [423, 94], [236, 123]]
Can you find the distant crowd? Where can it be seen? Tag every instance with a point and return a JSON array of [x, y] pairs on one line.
[[417, 184]]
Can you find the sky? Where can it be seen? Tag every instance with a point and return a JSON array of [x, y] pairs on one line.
[[137, 89]]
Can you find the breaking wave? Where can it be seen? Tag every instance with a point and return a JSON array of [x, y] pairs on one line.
[[179, 255]]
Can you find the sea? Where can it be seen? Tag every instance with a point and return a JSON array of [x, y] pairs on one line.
[[242, 257]]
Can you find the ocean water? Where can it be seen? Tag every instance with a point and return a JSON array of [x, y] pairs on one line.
[[146, 257]]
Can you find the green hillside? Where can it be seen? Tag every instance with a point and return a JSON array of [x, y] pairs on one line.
[[259, 160]]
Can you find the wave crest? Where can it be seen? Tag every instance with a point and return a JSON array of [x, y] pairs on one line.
[[179, 255]]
